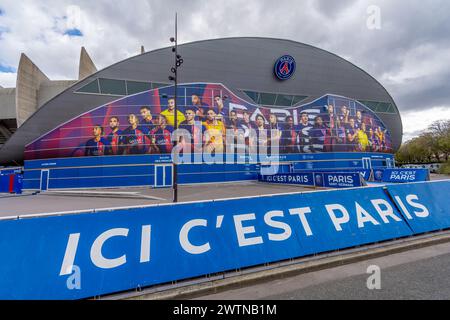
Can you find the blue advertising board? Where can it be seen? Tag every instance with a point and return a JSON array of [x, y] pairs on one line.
[[425, 206], [317, 179], [304, 179], [338, 180], [4, 183], [366, 173], [405, 175], [84, 255]]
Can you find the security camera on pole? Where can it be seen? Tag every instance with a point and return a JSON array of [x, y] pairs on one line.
[[174, 78]]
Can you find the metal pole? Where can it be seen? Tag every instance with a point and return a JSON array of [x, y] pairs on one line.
[[175, 176]]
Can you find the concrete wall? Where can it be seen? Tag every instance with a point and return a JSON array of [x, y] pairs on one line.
[[29, 78], [7, 103]]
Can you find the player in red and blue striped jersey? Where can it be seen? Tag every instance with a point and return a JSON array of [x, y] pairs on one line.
[[115, 137], [162, 135], [135, 138], [97, 146]]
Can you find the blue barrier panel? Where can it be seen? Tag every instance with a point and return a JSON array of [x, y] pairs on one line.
[[366, 173], [18, 183], [406, 175], [425, 206], [10, 170], [4, 183], [83, 255], [304, 179], [338, 180]]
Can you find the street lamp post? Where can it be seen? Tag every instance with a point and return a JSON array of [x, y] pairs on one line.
[[174, 78]]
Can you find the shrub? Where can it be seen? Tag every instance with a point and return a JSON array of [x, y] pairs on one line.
[[445, 169]]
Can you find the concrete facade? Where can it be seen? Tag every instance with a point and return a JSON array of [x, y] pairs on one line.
[[29, 78], [87, 67], [7, 103], [33, 89]]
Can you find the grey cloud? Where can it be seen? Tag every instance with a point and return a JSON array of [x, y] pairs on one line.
[[114, 31]]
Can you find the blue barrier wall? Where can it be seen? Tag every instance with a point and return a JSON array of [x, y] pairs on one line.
[[317, 179], [123, 249], [399, 175], [11, 182], [425, 206], [122, 171]]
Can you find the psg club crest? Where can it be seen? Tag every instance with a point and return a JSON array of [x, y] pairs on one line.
[[285, 67], [379, 175], [319, 181]]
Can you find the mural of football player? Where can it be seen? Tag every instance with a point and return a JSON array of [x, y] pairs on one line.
[[196, 130], [246, 120], [115, 137], [275, 131], [344, 115], [247, 125], [318, 134], [201, 108], [169, 113], [289, 137], [215, 134], [381, 135], [146, 123], [161, 136], [374, 143], [363, 139], [304, 129], [219, 108], [332, 137], [341, 141], [359, 120], [352, 136], [135, 138], [235, 128], [97, 146], [259, 141]]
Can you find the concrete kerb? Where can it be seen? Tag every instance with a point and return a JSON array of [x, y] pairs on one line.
[[215, 284]]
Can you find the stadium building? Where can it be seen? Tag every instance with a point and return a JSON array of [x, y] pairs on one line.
[[114, 127]]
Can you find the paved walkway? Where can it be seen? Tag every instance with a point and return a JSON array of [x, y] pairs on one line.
[[417, 274], [52, 202]]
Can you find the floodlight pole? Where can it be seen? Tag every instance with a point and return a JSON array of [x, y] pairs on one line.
[[174, 70]]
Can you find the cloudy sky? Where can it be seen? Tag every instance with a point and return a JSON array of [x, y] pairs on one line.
[[407, 49]]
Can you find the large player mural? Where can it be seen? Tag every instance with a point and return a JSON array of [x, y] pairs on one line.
[[144, 124]]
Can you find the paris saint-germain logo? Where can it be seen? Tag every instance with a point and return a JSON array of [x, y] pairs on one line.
[[319, 181], [285, 67]]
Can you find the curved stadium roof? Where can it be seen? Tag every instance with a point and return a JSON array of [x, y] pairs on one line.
[[244, 65]]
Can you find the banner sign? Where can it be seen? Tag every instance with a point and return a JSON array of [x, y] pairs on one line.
[[317, 179], [84, 255], [427, 201], [304, 179], [406, 175], [338, 180], [366, 173]]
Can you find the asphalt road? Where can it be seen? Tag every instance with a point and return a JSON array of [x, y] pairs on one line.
[[416, 274]]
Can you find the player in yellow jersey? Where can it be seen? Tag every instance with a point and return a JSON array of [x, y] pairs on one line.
[[215, 134], [169, 114], [363, 139]]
